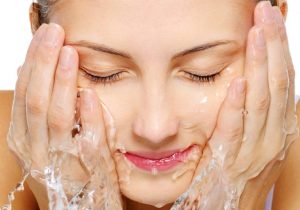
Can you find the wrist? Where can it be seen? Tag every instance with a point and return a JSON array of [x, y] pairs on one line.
[[40, 193]]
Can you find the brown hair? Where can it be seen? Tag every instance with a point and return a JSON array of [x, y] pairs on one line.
[[42, 9]]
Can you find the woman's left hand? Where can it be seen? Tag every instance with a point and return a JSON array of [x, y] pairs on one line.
[[255, 127]]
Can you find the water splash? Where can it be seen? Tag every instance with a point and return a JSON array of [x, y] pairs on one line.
[[154, 171], [11, 195]]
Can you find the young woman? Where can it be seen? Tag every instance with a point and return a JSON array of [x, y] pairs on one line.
[[167, 86]]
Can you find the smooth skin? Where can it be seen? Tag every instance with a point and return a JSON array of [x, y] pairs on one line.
[[266, 112], [39, 102]]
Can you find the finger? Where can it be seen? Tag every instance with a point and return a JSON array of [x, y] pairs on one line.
[[278, 78], [16, 138], [228, 133], [40, 89], [18, 110], [63, 101], [93, 144], [258, 96], [291, 106]]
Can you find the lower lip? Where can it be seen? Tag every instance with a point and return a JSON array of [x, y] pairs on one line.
[[162, 164]]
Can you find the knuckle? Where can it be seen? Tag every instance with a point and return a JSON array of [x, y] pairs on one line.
[[233, 133], [292, 73], [37, 104], [282, 33], [263, 103], [281, 83], [20, 89]]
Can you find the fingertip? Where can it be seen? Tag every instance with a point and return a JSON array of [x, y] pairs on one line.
[[57, 27], [68, 58], [262, 10], [279, 19], [38, 35], [256, 46]]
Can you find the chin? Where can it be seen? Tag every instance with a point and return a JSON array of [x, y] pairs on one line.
[[157, 188], [157, 191]]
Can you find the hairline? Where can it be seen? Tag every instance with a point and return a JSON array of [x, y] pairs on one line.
[[44, 7]]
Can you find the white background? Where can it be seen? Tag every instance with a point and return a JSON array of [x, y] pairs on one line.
[[15, 36]]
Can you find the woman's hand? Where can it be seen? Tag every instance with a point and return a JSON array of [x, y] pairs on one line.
[[255, 125], [40, 134]]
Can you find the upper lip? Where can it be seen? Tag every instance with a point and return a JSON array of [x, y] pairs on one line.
[[156, 155]]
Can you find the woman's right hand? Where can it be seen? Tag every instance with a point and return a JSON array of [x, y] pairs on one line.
[[40, 134]]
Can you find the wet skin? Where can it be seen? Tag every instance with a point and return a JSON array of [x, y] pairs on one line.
[[165, 109]]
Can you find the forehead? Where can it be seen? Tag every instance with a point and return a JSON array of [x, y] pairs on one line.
[[164, 23]]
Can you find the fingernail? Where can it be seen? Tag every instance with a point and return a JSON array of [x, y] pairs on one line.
[[53, 33], [240, 85], [278, 16], [66, 56], [259, 39], [267, 12]]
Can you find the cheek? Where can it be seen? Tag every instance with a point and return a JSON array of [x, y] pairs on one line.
[[197, 105], [120, 98]]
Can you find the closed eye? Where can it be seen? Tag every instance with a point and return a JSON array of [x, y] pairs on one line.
[[98, 79]]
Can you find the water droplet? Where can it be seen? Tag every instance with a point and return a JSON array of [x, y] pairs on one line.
[[244, 139], [122, 149], [245, 112], [11, 196], [125, 170], [154, 171], [220, 148], [204, 100], [20, 186], [159, 205], [184, 169]]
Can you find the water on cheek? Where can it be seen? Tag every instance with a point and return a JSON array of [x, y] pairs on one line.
[[124, 168], [159, 205], [154, 171], [190, 164]]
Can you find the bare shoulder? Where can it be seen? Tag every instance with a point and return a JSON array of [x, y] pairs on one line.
[[287, 188], [10, 172]]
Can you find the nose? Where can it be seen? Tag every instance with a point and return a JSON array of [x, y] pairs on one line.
[[155, 122]]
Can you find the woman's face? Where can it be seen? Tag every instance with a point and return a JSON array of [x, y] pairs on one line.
[[158, 106]]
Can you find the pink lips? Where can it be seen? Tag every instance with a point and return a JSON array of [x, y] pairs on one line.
[[159, 161]]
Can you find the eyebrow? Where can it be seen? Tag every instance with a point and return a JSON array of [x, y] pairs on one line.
[[107, 49]]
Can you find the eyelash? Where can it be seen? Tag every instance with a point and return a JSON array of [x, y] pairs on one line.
[[115, 77], [202, 79], [105, 80]]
